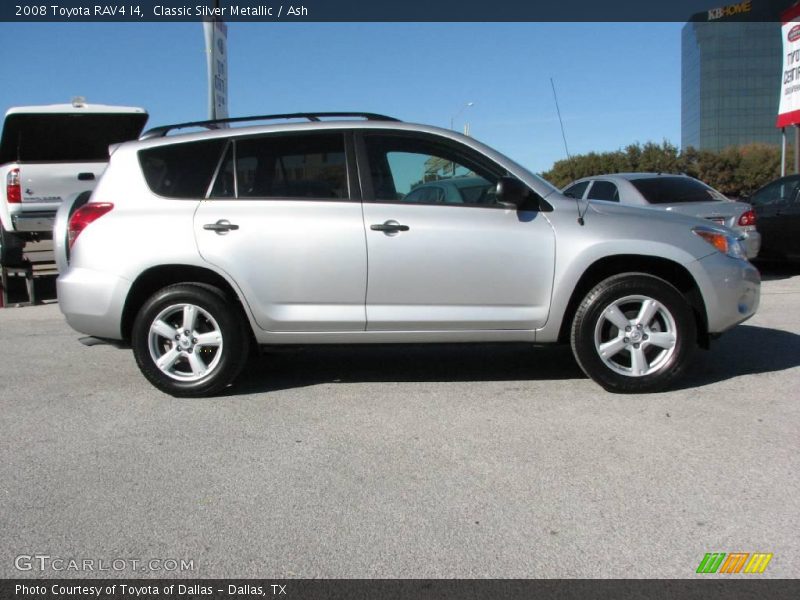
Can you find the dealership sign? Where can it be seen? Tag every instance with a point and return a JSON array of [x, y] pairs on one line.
[[789, 107], [216, 34]]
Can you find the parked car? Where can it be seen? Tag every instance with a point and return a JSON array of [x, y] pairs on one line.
[[48, 153], [196, 247], [674, 193], [777, 205], [454, 190]]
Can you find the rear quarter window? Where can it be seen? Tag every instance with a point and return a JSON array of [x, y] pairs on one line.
[[181, 170]]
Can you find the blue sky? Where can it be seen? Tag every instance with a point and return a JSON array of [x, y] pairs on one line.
[[617, 83]]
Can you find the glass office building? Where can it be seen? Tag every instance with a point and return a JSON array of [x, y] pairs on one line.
[[730, 75]]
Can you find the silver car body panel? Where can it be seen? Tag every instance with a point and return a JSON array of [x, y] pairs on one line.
[[314, 272], [721, 212]]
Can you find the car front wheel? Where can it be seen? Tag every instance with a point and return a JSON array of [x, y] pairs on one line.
[[188, 340], [633, 333]]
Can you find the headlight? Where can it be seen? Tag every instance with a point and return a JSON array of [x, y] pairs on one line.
[[727, 243]]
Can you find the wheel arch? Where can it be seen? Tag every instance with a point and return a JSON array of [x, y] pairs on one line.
[[664, 268], [158, 277]]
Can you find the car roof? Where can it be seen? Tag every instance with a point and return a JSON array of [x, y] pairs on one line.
[[327, 125], [629, 176]]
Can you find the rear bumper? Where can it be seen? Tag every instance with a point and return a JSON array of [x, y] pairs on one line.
[[731, 290], [92, 302], [34, 221]]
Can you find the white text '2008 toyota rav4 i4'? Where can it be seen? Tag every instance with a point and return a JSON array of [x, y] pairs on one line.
[[197, 248]]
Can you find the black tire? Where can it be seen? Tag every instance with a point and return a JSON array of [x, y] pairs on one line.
[[11, 247], [626, 352], [214, 313]]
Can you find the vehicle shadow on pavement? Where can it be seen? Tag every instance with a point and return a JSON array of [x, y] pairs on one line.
[[744, 350], [406, 363], [775, 271]]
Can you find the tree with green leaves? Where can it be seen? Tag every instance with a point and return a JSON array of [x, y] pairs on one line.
[[734, 171]]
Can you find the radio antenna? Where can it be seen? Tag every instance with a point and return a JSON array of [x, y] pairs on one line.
[[566, 149]]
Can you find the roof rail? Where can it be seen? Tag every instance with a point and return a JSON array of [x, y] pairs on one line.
[[158, 132]]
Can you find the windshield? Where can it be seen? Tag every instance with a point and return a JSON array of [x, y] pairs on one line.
[[672, 190]]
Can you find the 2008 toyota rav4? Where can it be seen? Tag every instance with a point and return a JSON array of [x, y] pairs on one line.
[[197, 247]]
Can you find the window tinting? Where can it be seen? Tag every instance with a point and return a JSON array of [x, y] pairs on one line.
[[777, 192], [672, 190], [604, 190], [224, 185], [181, 170], [405, 169], [576, 191], [292, 166], [68, 137]]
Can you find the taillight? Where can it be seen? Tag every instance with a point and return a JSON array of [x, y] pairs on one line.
[[13, 191], [85, 215], [748, 218]]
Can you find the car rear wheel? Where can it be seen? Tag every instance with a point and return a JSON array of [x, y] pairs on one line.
[[189, 340], [633, 333]]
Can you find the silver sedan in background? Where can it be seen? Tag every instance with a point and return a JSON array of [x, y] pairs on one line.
[[674, 193]]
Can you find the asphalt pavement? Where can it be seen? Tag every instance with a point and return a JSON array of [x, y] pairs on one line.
[[366, 462]]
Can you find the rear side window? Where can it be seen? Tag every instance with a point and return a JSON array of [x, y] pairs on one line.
[[181, 170], [672, 190], [285, 166], [604, 190]]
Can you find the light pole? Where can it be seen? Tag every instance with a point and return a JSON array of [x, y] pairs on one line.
[[455, 116]]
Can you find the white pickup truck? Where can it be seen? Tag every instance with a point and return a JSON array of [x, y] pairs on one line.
[[48, 154]]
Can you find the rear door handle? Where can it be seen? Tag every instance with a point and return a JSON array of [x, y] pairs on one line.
[[389, 227], [222, 226], [86, 176]]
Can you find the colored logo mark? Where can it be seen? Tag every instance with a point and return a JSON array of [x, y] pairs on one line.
[[734, 562]]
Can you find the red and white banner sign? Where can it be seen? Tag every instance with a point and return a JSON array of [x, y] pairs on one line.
[[789, 108]]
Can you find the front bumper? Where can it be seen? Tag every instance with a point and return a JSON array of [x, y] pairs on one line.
[[92, 301], [731, 289]]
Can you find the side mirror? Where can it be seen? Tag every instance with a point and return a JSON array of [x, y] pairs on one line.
[[512, 192]]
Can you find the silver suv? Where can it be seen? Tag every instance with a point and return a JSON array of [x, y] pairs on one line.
[[197, 248]]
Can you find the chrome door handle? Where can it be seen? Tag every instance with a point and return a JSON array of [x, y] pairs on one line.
[[222, 226], [389, 227]]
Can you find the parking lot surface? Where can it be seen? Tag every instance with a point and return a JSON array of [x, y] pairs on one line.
[[439, 461]]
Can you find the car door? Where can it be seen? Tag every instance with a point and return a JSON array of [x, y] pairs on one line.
[[790, 227], [448, 266], [284, 222], [773, 207]]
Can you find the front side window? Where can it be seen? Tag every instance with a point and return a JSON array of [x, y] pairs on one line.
[[286, 166], [577, 190], [423, 171], [604, 190]]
